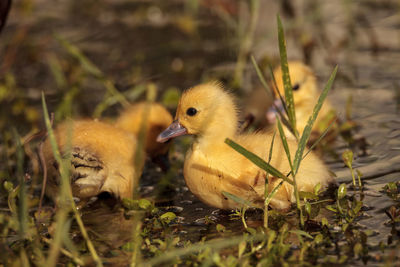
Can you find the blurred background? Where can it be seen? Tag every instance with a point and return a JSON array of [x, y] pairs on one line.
[[80, 53]]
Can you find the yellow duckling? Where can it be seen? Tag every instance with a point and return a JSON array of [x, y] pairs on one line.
[[209, 113], [305, 96], [102, 155]]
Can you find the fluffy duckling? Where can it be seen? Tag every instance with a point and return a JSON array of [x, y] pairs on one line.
[[305, 96], [102, 155], [209, 113], [101, 159]]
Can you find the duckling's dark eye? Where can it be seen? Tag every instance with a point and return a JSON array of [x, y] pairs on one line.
[[296, 87], [191, 111]]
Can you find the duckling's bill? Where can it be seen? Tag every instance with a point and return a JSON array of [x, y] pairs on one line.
[[174, 130], [274, 110]]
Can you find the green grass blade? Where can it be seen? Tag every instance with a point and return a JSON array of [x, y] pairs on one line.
[[272, 194], [284, 142], [86, 64], [93, 70], [307, 130], [300, 233], [271, 72], [326, 131], [238, 199], [261, 77], [282, 116], [257, 160], [66, 202], [22, 194], [266, 194], [271, 147], [139, 159], [215, 245], [270, 92], [286, 78], [63, 211]]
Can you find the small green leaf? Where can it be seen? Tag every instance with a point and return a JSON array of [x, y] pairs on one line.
[[129, 203], [8, 186], [358, 249], [144, 204], [347, 157], [242, 248], [307, 207], [220, 228], [307, 195], [168, 217], [317, 188], [318, 238], [342, 191], [331, 208]]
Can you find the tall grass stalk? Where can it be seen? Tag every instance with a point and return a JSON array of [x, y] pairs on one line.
[[66, 203], [22, 194], [286, 78], [138, 165], [267, 199], [311, 120], [245, 42], [76, 259], [290, 108], [270, 92], [295, 188]]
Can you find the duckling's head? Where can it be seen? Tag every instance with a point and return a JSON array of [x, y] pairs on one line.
[[303, 81], [158, 118], [204, 110]]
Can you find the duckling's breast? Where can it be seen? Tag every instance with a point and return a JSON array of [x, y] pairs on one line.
[[208, 176]]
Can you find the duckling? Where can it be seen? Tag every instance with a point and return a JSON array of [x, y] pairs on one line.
[[102, 155], [208, 112], [305, 96], [102, 159]]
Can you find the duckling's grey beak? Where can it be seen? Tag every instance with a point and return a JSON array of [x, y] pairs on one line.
[[174, 130], [273, 111]]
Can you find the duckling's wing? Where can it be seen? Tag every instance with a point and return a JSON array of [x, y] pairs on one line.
[[88, 173]]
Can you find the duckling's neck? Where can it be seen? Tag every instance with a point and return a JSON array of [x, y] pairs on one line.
[[217, 130]]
